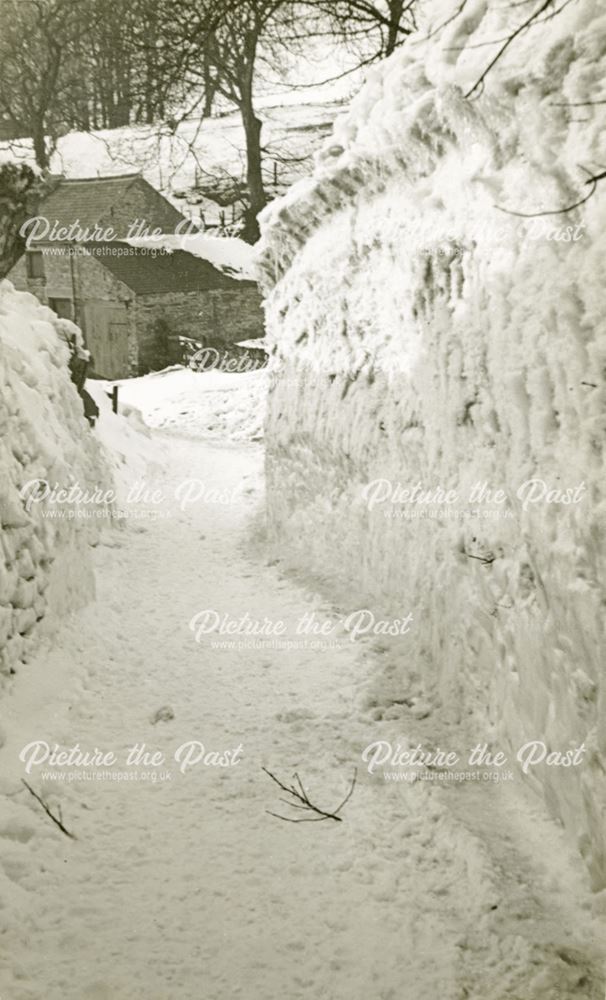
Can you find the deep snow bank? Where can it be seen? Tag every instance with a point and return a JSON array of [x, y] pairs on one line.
[[423, 336], [44, 563], [128, 447]]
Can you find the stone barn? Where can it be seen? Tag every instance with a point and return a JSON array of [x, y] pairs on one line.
[[132, 304]]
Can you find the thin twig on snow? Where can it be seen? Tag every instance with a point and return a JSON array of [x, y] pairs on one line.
[[300, 800], [58, 821]]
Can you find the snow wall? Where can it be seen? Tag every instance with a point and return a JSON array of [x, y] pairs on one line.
[[422, 335], [45, 566]]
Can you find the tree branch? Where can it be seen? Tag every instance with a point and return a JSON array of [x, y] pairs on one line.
[[518, 31], [56, 821], [593, 180], [302, 801]]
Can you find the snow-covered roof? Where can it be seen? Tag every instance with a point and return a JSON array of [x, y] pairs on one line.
[[152, 272], [228, 254]]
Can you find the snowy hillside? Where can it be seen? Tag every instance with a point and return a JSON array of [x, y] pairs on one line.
[[176, 161], [430, 337], [46, 444]]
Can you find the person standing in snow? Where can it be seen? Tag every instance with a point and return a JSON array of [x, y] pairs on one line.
[[79, 361]]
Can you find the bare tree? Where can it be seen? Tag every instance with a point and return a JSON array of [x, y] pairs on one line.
[[375, 27], [83, 64], [130, 69], [39, 81], [227, 50], [224, 46], [109, 63]]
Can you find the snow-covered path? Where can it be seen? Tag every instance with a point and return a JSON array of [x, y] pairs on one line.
[[186, 889]]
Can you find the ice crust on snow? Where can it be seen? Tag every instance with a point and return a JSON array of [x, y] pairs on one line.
[[423, 334], [44, 561]]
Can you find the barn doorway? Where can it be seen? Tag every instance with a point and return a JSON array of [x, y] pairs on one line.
[[106, 332]]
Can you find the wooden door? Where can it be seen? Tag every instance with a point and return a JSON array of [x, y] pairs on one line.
[[106, 333]]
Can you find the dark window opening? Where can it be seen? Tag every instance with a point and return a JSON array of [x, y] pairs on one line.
[[34, 263], [63, 307]]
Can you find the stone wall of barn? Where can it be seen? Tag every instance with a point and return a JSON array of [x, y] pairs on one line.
[[70, 273], [214, 317], [57, 281], [94, 281], [81, 278]]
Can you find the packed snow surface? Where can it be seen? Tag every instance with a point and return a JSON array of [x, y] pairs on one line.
[[125, 438], [184, 887]]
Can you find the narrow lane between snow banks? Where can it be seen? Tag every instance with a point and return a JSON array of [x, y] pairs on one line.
[[185, 888]]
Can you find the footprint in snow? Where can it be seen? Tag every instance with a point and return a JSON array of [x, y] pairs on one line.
[[295, 715], [164, 714]]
